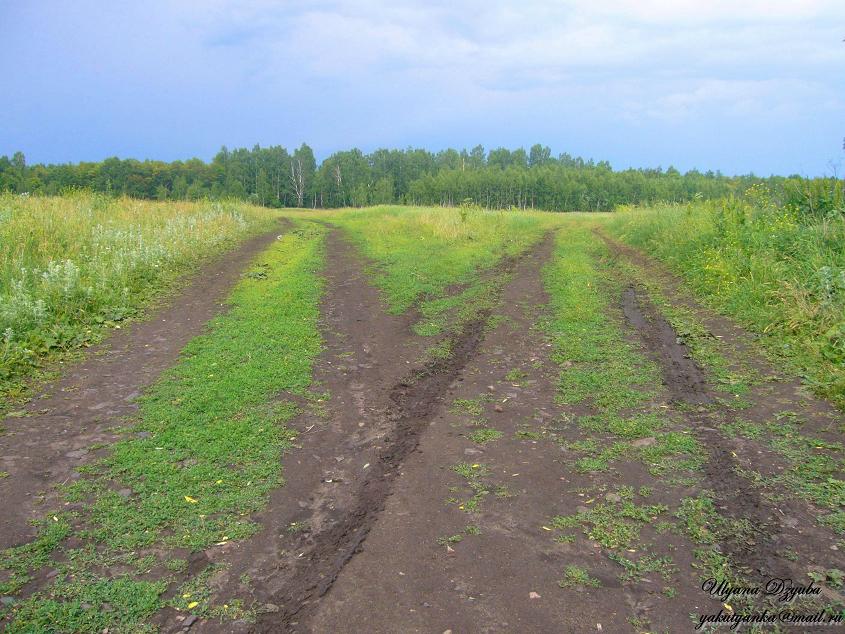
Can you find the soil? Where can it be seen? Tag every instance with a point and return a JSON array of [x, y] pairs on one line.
[[53, 439], [406, 578]]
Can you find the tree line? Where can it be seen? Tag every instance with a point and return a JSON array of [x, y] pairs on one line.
[[275, 177]]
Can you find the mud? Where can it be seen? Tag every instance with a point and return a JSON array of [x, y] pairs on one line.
[[681, 376], [362, 536], [410, 404], [54, 438], [352, 449]]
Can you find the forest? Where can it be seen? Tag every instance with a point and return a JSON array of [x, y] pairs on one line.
[[274, 177]]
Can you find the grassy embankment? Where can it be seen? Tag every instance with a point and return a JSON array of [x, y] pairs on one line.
[[778, 268], [73, 266], [199, 460]]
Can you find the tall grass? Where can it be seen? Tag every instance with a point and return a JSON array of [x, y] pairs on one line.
[[779, 268], [71, 266]]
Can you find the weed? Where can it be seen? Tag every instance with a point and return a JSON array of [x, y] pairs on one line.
[[575, 577], [636, 570], [470, 406], [613, 525], [84, 263], [482, 436], [597, 365], [516, 377], [452, 539], [777, 269]]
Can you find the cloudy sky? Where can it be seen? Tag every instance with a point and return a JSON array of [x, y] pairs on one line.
[[739, 85]]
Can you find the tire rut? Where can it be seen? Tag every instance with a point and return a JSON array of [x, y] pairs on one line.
[[410, 404], [412, 401], [342, 473], [687, 384]]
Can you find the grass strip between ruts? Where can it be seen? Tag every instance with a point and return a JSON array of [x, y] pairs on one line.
[[203, 457]]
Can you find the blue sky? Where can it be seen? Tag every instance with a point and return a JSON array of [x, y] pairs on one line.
[[740, 86]]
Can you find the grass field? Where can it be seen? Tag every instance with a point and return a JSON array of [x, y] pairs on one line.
[[778, 269], [573, 427], [74, 266]]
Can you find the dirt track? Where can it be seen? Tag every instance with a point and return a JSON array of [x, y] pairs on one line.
[[395, 517], [48, 444]]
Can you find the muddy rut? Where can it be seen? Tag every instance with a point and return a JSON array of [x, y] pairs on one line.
[[371, 532], [686, 382], [47, 445], [774, 527], [420, 496]]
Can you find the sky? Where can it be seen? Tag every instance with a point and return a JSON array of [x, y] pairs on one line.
[[738, 86]]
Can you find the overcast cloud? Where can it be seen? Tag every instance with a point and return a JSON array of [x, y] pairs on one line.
[[737, 86]]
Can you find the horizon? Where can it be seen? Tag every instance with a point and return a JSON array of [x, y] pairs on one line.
[[738, 90]]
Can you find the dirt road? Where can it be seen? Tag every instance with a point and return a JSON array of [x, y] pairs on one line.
[[480, 491]]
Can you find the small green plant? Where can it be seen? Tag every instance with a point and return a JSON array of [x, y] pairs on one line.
[[575, 577], [516, 377], [482, 436], [471, 406], [452, 539], [635, 570], [175, 564]]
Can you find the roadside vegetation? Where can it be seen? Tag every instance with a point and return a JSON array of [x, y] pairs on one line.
[[776, 263], [647, 494], [73, 266], [188, 473]]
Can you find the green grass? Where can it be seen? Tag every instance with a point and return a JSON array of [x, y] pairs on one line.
[[733, 376], [421, 251], [78, 606], [474, 474], [777, 268], [576, 577], [613, 525], [638, 425], [471, 406], [437, 261], [484, 435], [208, 455], [635, 570], [73, 266], [598, 366], [600, 369]]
